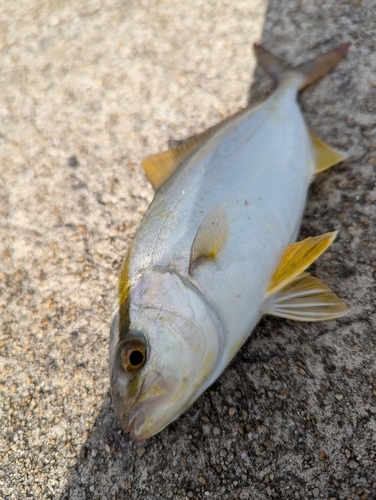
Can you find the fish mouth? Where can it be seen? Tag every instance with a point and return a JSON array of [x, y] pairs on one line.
[[140, 423], [133, 425], [139, 417]]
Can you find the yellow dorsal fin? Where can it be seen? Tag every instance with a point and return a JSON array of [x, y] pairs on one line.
[[159, 167], [210, 238], [326, 156], [305, 298], [297, 257]]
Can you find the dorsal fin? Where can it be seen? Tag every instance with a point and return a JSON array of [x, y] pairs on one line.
[[210, 238], [297, 257], [159, 167], [326, 156]]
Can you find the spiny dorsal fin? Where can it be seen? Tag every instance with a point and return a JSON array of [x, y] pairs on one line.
[[297, 257], [210, 238], [326, 156], [305, 298]]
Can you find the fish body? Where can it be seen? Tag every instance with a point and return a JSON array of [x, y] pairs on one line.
[[263, 198], [201, 269]]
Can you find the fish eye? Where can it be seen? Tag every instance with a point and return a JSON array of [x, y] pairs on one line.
[[132, 355]]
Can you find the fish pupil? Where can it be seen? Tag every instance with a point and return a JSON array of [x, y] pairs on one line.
[[136, 358]]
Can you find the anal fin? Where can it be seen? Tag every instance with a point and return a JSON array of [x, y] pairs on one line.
[[210, 238], [326, 156], [305, 298]]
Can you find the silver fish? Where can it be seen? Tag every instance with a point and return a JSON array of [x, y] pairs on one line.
[[216, 250]]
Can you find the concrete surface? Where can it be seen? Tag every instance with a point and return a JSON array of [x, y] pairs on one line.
[[86, 89]]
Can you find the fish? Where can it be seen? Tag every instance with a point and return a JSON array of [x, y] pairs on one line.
[[217, 250]]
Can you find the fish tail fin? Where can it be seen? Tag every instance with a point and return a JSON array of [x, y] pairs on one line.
[[309, 72]]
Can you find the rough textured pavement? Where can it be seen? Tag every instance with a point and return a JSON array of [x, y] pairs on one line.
[[88, 88]]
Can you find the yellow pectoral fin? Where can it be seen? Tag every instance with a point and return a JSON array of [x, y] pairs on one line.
[[210, 238], [305, 298], [297, 257], [326, 156]]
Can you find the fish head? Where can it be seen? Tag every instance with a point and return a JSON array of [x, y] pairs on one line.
[[163, 358]]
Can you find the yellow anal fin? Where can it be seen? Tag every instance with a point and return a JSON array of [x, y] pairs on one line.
[[326, 156], [210, 238], [305, 298], [297, 257]]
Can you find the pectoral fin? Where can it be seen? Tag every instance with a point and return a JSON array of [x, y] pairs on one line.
[[326, 156], [305, 298], [297, 257], [210, 238]]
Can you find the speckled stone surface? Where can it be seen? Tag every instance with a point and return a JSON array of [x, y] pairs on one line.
[[86, 89]]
